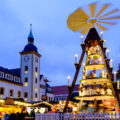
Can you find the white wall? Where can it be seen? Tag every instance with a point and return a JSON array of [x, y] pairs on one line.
[[51, 96], [30, 89], [29, 75], [36, 64], [42, 91], [8, 86]]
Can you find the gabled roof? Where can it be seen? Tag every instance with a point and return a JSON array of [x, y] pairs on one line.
[[92, 35], [60, 90], [42, 102]]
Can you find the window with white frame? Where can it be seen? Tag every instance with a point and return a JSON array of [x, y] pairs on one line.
[[1, 74]]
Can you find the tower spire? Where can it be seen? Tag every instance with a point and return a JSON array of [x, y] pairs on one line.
[[30, 37]]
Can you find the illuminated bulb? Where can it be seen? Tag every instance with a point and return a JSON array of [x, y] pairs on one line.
[[68, 80], [76, 58], [101, 35], [107, 53], [81, 39], [115, 76]]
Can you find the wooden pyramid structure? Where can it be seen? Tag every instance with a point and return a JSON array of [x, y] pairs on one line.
[[97, 87]]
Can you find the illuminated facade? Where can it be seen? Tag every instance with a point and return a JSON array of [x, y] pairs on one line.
[[26, 81], [97, 90]]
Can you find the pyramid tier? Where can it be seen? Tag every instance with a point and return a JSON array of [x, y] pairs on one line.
[[94, 55], [93, 81], [94, 67], [101, 97]]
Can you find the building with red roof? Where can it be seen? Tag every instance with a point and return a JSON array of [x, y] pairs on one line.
[[61, 92]]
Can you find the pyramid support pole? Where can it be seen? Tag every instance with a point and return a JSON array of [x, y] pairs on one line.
[[78, 66], [109, 73]]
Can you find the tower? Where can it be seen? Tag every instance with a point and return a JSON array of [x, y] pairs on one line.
[[30, 70]]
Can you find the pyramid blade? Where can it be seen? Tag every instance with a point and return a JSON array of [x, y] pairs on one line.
[[109, 13], [92, 9], [77, 20], [77, 27], [101, 27], [110, 18], [79, 13], [85, 29], [74, 24], [103, 9], [109, 23]]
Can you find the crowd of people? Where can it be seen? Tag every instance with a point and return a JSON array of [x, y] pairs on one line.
[[17, 116]]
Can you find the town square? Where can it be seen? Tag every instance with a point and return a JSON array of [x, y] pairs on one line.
[[60, 60]]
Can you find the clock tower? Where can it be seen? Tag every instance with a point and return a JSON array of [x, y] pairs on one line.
[[30, 70]]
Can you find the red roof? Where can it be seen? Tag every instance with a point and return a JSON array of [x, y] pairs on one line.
[[60, 90]]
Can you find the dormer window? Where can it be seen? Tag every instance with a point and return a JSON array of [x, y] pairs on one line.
[[26, 69], [1, 75]]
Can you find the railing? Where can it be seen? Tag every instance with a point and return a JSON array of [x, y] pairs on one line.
[[79, 116]]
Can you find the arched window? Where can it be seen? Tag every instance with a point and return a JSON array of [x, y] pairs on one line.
[[26, 81], [26, 69]]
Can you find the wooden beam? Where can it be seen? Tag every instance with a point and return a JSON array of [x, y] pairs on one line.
[[75, 77], [109, 73]]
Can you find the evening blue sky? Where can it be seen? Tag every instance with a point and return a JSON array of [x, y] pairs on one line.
[[55, 41]]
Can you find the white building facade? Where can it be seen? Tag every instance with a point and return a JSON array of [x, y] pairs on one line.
[[25, 82]]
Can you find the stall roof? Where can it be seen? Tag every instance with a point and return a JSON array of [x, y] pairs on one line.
[[42, 102]]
